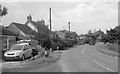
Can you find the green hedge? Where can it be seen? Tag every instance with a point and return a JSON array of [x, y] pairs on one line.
[[112, 46]]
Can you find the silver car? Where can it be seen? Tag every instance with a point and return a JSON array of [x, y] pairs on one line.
[[18, 51]]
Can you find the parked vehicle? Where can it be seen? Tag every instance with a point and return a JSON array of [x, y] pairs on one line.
[[18, 51], [66, 43], [57, 46], [23, 41], [32, 43], [92, 43]]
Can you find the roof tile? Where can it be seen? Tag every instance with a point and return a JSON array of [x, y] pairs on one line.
[[24, 28]]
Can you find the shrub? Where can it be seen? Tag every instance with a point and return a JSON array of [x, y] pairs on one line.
[[112, 46], [54, 46]]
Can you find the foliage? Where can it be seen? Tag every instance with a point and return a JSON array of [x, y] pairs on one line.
[[54, 45], [3, 11], [40, 37], [90, 31], [71, 35], [112, 35]]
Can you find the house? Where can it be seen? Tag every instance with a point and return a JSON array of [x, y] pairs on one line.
[[22, 30], [60, 34], [7, 38], [37, 26], [99, 34], [81, 36], [53, 34], [28, 29]]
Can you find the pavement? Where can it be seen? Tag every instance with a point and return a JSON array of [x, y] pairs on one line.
[[82, 58]]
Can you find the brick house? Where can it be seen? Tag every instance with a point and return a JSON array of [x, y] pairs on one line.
[[28, 29], [7, 38], [60, 34], [37, 26], [22, 30]]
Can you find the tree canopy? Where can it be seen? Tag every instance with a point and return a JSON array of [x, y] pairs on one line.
[[113, 35], [3, 11]]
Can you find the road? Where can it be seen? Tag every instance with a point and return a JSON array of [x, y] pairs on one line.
[[83, 58]]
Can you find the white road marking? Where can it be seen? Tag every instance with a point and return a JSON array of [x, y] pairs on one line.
[[103, 66], [109, 56], [63, 67], [83, 52]]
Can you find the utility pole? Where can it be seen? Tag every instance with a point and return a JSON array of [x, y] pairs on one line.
[[50, 18], [69, 26]]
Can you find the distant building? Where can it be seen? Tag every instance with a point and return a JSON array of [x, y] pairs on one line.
[[61, 34], [99, 34], [53, 34]]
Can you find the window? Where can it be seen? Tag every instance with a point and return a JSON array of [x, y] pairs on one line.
[[28, 47], [25, 47], [16, 47]]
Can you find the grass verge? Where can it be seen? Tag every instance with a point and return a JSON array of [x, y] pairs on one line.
[[108, 49]]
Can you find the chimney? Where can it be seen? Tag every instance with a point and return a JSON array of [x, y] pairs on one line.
[[47, 26], [29, 18], [43, 22]]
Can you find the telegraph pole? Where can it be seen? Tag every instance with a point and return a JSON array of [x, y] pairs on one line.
[[69, 26], [50, 18]]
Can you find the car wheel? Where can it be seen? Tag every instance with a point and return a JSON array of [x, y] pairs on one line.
[[23, 57], [31, 55], [5, 60]]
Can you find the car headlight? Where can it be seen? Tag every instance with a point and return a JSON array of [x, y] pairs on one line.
[[5, 54], [17, 53]]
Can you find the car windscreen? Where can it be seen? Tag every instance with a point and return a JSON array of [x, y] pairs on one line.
[[16, 47]]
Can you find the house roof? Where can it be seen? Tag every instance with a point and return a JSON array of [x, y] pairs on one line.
[[99, 32], [24, 28], [99, 37], [39, 25], [53, 33], [4, 31]]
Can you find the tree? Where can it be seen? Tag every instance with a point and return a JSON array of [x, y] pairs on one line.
[[90, 31], [67, 34], [3, 11], [113, 35]]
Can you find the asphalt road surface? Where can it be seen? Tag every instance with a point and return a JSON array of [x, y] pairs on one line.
[[83, 58]]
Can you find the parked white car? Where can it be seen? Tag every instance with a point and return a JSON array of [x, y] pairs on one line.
[[23, 41], [18, 51]]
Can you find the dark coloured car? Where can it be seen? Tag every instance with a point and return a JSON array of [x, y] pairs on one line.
[[57, 46], [92, 43]]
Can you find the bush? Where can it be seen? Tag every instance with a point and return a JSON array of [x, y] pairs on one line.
[[112, 46], [54, 46], [67, 43]]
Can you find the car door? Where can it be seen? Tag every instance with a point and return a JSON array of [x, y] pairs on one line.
[[25, 51], [29, 50]]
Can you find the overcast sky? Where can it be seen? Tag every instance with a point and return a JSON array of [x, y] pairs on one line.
[[83, 14]]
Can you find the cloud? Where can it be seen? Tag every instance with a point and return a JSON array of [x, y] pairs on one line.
[[93, 15], [82, 15], [60, 0], [15, 13]]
